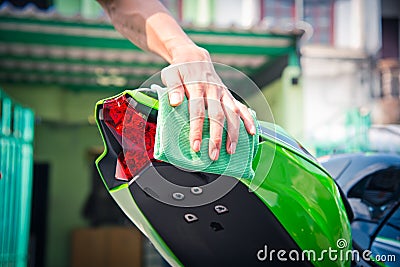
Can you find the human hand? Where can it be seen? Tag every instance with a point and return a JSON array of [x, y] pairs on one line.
[[192, 73]]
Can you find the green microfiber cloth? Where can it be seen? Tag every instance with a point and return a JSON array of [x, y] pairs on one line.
[[172, 142]]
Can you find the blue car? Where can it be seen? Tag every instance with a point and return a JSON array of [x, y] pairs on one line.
[[371, 183]]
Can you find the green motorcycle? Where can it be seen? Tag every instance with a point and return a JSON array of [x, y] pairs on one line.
[[290, 214]]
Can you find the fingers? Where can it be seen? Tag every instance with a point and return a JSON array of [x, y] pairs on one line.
[[207, 93], [195, 94], [232, 112], [216, 117], [172, 79], [247, 118], [176, 96], [218, 108]]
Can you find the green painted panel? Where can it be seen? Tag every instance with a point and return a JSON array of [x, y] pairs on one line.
[[16, 158], [55, 22], [36, 51], [317, 214], [63, 40], [246, 50], [87, 24], [84, 62], [56, 73]]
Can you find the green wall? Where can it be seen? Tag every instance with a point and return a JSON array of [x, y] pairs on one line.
[[286, 101], [66, 150], [292, 102], [63, 137]]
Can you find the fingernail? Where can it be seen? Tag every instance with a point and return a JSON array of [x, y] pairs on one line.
[[174, 98], [232, 148], [214, 154], [253, 130], [196, 145]]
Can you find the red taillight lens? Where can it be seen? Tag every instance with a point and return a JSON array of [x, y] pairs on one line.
[[133, 132], [150, 139], [114, 113]]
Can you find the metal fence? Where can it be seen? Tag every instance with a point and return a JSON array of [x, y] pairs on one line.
[[16, 158]]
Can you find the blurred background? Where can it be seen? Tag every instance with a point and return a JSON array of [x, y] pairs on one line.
[[328, 68]]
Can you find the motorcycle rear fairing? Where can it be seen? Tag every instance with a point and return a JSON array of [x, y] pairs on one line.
[[295, 206]]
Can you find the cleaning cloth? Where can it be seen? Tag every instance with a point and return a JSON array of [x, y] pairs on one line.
[[172, 142]]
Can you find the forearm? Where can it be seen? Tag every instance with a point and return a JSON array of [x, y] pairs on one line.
[[147, 24]]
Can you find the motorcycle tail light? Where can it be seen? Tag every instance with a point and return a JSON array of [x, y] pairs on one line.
[[133, 132]]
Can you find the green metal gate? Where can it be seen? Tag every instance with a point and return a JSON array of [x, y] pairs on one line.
[[16, 157]]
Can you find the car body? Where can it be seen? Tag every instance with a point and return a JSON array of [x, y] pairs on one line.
[[371, 183]]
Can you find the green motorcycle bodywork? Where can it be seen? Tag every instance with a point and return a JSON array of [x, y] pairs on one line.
[[290, 182]]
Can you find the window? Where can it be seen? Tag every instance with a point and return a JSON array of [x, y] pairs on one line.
[[319, 13], [278, 11]]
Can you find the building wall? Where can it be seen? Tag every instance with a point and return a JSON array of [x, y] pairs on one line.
[[332, 88], [338, 80], [357, 25], [285, 101]]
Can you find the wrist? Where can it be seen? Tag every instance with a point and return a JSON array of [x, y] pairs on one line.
[[188, 52]]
